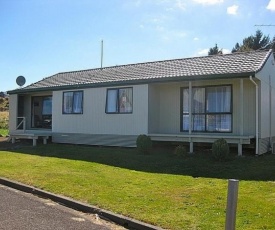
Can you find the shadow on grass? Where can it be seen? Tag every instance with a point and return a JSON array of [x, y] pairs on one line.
[[162, 160]]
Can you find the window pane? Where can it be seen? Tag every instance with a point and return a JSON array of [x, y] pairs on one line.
[[77, 102], [219, 123], [111, 106], [219, 99], [185, 122], [47, 106], [199, 123], [125, 100], [68, 102], [198, 100], [185, 100]]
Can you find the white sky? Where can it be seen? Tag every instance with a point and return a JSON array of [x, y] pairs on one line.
[[40, 38]]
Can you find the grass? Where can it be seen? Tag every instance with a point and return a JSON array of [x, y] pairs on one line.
[[161, 188]]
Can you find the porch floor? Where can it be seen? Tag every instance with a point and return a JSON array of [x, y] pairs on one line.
[[204, 138], [31, 134]]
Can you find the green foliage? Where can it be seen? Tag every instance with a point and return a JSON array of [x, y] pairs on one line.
[[215, 50], [254, 42], [220, 149], [144, 144], [4, 120], [4, 124], [4, 132], [4, 104], [180, 150]]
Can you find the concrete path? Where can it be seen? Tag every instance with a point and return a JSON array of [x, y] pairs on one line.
[[19, 210]]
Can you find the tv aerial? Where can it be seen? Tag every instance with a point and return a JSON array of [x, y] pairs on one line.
[[20, 81]]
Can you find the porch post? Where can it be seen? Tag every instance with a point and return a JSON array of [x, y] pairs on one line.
[[34, 142], [241, 118], [240, 148], [190, 118]]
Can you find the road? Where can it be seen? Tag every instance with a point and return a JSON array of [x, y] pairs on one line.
[[19, 210]]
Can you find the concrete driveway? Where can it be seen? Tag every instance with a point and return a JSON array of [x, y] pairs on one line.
[[22, 211]]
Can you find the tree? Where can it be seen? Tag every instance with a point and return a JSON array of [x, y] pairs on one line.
[[214, 50], [254, 42], [272, 44]]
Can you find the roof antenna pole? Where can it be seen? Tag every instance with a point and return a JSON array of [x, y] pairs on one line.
[[101, 53]]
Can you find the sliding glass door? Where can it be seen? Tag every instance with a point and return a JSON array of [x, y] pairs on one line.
[[42, 112]]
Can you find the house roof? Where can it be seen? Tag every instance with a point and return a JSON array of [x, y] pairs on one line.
[[207, 67]]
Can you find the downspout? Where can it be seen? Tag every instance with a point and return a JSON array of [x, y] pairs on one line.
[[257, 115]]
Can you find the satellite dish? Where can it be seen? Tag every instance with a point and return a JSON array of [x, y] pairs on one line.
[[20, 80]]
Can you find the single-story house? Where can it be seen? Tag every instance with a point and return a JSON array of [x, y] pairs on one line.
[[191, 100]]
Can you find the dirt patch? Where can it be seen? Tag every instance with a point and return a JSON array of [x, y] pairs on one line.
[[5, 143]]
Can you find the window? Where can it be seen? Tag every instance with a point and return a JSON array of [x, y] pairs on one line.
[[211, 109], [73, 102], [47, 106], [119, 100]]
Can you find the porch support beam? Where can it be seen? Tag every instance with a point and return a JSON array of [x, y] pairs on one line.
[[240, 148], [191, 146]]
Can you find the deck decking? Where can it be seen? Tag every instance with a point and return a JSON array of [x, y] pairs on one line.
[[31, 134], [209, 138]]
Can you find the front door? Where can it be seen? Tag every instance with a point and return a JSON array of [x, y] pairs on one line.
[[42, 112]]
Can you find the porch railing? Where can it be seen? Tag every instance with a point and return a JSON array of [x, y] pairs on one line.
[[21, 121]]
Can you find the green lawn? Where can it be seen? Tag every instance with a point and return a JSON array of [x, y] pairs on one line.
[[161, 189]]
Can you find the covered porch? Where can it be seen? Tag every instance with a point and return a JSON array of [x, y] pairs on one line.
[[31, 117], [204, 111]]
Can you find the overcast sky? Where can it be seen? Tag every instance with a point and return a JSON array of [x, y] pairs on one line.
[[40, 38]]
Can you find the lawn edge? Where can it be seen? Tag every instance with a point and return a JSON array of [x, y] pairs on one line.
[[124, 221]]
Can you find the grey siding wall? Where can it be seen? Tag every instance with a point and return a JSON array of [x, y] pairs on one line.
[[12, 111], [249, 108], [267, 99], [169, 111], [94, 120], [153, 109], [27, 110], [95, 139], [266, 105]]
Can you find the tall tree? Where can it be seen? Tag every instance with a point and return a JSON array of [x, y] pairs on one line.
[[253, 42], [272, 44], [214, 50]]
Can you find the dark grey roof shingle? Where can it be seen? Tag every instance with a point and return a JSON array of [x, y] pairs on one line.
[[186, 68]]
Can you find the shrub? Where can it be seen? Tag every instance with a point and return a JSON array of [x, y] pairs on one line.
[[4, 124], [144, 144], [220, 149], [4, 120], [180, 150]]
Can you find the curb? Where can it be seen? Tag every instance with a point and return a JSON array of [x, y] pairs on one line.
[[126, 222]]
